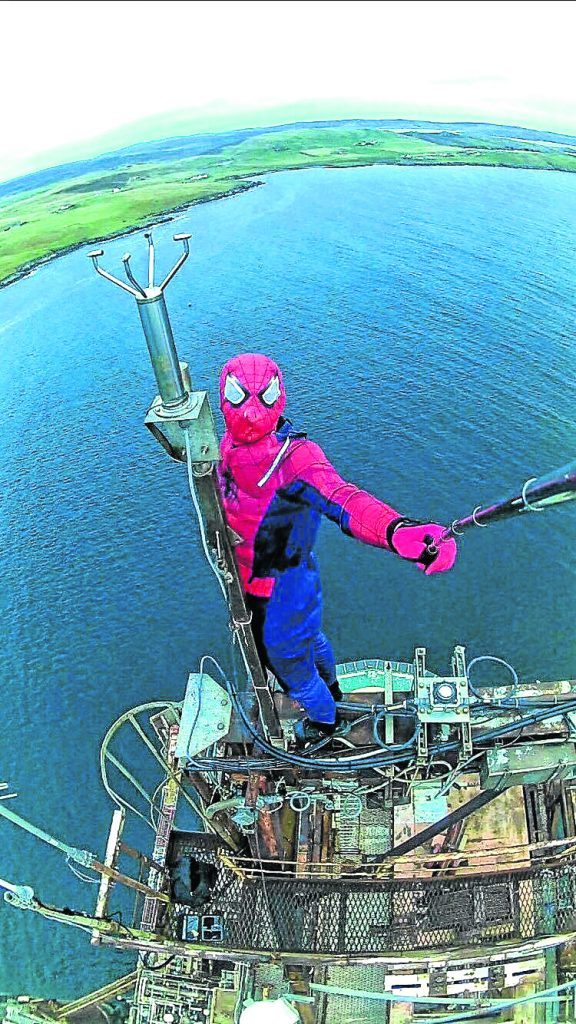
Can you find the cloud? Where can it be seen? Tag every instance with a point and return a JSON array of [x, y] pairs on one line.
[[94, 67]]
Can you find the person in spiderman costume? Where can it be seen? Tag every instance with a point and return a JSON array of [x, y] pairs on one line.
[[275, 485]]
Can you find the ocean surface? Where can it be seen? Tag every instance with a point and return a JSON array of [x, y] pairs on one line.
[[425, 322]]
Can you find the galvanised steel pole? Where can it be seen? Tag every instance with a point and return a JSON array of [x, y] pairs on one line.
[[182, 422]]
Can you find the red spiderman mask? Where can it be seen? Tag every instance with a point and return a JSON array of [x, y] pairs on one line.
[[252, 397]]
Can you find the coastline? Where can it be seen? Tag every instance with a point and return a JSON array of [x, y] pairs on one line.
[[247, 183], [456, 312], [163, 218]]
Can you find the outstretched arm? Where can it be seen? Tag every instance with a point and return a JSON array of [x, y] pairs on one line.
[[315, 482], [312, 479]]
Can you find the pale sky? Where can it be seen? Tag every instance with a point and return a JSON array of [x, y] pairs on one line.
[[74, 72]]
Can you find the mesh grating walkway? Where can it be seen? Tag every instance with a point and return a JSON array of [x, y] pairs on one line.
[[346, 1010], [345, 916]]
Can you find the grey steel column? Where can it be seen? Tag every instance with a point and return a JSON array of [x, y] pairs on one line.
[[161, 346], [182, 422]]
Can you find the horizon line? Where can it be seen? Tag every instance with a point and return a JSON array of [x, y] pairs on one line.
[[103, 145]]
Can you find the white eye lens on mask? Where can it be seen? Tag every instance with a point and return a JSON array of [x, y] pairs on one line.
[[271, 392], [233, 391]]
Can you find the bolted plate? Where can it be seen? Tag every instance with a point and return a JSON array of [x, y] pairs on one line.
[[205, 715], [430, 804], [196, 415], [529, 764], [442, 698]]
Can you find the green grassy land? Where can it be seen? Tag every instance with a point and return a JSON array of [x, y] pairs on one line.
[[37, 225]]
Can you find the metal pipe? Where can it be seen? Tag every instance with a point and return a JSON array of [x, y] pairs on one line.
[[459, 814], [185, 242], [150, 240], [161, 347], [130, 275], [481, 1002], [538, 493], [83, 857], [23, 892], [552, 1011], [109, 277], [155, 321]]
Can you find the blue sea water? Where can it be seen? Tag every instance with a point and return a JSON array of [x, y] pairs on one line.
[[425, 322]]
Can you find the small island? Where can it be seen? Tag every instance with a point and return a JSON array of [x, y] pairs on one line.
[[117, 194]]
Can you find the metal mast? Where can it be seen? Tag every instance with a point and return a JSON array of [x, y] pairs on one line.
[[181, 420]]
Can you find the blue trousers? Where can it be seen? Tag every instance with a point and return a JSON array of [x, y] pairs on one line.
[[287, 629]]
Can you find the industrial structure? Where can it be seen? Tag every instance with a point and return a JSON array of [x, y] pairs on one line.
[[419, 865]]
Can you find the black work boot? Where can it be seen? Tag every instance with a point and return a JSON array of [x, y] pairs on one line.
[[306, 731], [335, 691]]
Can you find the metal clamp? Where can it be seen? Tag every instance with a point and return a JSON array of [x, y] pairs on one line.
[[527, 505], [483, 526]]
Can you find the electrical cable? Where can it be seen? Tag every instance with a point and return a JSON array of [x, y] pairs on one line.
[[80, 874], [378, 760], [337, 764], [404, 710], [395, 746], [379, 771], [390, 756], [115, 917], [447, 781], [156, 967], [533, 719], [500, 661]]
